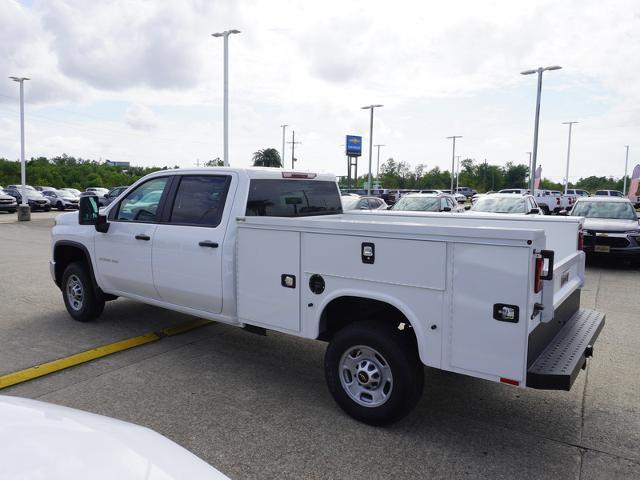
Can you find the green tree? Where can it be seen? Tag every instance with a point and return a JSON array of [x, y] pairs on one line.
[[216, 162], [267, 157]]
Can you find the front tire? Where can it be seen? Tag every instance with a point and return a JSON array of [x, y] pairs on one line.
[[82, 301], [373, 371], [60, 207]]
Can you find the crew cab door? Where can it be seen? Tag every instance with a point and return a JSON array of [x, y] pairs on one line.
[[123, 253], [188, 243]]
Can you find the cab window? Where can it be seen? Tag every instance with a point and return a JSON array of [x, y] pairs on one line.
[[141, 204], [200, 200]]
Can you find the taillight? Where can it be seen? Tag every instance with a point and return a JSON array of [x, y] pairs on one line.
[[580, 240], [537, 283], [557, 200]]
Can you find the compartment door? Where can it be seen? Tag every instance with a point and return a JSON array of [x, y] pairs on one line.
[[483, 276], [268, 263]]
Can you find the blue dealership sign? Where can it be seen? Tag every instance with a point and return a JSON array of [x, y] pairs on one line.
[[354, 145]]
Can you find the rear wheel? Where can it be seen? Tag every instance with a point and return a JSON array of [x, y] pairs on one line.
[[82, 301], [374, 372]]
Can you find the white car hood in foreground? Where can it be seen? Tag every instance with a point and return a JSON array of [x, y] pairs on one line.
[[610, 224], [44, 441]]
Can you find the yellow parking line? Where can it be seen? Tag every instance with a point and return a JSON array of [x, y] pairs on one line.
[[98, 352]]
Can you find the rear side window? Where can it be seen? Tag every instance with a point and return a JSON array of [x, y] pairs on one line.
[[292, 198], [200, 200]]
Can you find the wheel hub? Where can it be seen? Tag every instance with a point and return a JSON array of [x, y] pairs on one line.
[[75, 292], [365, 376]]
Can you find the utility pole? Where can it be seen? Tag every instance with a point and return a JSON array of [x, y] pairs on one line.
[[566, 177], [539, 71], [225, 115], [378, 164], [293, 144], [530, 173], [626, 164], [284, 127], [453, 159], [372, 108], [24, 212], [457, 174]]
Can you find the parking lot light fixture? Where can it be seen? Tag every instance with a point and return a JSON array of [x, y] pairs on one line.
[[370, 107], [566, 177], [539, 71], [23, 175], [453, 159], [225, 114], [626, 165]]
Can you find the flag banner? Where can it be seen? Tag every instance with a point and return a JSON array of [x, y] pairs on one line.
[[538, 177], [633, 186]]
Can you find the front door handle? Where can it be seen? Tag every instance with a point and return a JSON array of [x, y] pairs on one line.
[[143, 237], [208, 243]]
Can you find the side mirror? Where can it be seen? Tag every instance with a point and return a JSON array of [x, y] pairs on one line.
[[446, 209], [534, 211], [467, 207], [88, 210]]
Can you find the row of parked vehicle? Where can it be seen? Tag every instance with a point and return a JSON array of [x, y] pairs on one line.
[[45, 198]]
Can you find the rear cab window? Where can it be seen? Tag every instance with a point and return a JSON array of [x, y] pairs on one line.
[[293, 198]]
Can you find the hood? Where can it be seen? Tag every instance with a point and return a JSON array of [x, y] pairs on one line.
[[4, 196], [41, 440], [610, 224]]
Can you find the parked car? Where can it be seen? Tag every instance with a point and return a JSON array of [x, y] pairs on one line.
[[61, 199], [460, 198], [608, 193], [390, 291], [547, 201], [82, 445], [34, 198], [611, 226], [19, 187], [577, 192], [7, 202], [75, 191], [353, 202], [466, 191], [112, 194], [40, 188], [96, 193], [427, 202], [507, 203]]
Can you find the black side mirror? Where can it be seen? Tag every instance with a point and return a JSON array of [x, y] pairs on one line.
[[88, 210], [446, 209], [467, 207], [534, 211]]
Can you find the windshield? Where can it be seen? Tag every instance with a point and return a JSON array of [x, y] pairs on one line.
[[500, 205], [617, 210], [417, 204], [64, 194]]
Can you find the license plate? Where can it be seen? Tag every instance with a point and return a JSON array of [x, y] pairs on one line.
[[602, 248]]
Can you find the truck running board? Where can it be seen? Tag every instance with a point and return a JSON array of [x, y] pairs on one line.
[[559, 364]]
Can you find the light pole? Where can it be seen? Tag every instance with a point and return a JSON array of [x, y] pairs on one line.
[[24, 213], [539, 71], [378, 164], [226, 34], [453, 159], [293, 149], [626, 162], [370, 107], [529, 166], [457, 173], [284, 128], [566, 177]]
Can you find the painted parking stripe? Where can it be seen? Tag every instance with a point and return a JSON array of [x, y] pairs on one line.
[[63, 363]]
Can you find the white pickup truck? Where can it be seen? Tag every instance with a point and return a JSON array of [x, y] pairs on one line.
[[270, 249]]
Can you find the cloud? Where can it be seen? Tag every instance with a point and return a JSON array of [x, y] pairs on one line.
[[140, 117]]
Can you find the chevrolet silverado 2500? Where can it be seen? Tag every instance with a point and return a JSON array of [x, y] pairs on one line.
[[271, 249]]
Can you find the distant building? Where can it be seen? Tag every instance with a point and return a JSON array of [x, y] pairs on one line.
[[117, 164]]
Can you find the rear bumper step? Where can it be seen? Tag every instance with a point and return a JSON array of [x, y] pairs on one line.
[[559, 364]]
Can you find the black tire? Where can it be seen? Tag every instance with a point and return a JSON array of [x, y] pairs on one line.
[[394, 348], [60, 206], [545, 209], [12, 211], [88, 304]]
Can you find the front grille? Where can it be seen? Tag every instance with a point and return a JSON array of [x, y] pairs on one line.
[[614, 242], [8, 202]]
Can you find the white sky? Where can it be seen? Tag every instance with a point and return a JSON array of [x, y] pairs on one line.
[[141, 81]]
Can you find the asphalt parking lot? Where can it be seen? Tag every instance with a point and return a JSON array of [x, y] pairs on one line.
[[258, 407]]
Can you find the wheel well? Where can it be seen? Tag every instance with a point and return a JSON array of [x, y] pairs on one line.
[[63, 255], [343, 311]]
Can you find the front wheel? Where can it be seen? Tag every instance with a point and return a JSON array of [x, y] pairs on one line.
[[82, 301], [373, 371], [60, 206]]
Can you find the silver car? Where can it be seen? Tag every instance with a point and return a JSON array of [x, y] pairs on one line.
[[611, 226]]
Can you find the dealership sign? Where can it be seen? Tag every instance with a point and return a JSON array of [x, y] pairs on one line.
[[354, 145]]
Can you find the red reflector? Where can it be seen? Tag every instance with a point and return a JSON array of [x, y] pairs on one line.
[[537, 282], [557, 200], [508, 381], [298, 175]]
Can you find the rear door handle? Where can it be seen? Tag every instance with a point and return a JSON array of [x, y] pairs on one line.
[[208, 243], [143, 237]]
